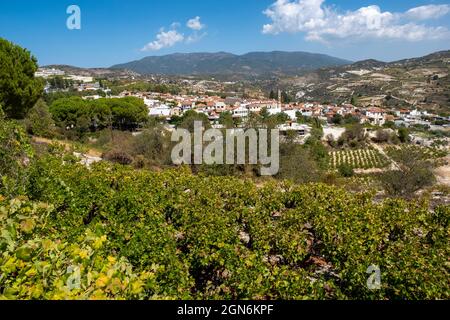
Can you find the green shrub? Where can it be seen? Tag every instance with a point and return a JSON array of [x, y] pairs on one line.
[[15, 156], [346, 170], [39, 121], [119, 157]]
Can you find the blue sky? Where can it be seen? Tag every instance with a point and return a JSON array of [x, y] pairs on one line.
[[116, 31]]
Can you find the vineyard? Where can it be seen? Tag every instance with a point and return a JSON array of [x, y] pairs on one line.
[[111, 232], [367, 158], [425, 153]]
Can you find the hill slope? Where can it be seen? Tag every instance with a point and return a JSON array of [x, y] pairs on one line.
[[418, 82], [94, 72], [253, 63]]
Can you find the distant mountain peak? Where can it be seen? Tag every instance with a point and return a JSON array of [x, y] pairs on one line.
[[369, 63], [249, 64]]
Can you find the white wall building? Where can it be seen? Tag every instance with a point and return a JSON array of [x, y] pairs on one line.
[[292, 114], [151, 102], [376, 116], [46, 73], [160, 111], [273, 111], [80, 78], [240, 112]]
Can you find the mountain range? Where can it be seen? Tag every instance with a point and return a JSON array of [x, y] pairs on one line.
[[417, 82], [223, 63]]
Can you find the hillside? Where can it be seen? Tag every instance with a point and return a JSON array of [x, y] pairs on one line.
[[94, 72], [422, 82], [250, 64], [137, 234]]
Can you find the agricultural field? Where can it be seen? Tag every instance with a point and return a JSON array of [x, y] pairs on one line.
[[425, 152], [367, 158]]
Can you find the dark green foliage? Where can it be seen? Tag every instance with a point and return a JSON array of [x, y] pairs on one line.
[[61, 83], [346, 170], [189, 118], [154, 145], [337, 119], [19, 90], [285, 97], [39, 121], [272, 95], [226, 119], [354, 136], [83, 115], [403, 135]]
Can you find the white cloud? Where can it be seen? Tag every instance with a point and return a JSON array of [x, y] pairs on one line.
[[322, 23], [195, 24], [428, 12], [164, 39], [167, 39]]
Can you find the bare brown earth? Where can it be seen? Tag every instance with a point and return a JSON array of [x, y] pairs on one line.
[[443, 173]]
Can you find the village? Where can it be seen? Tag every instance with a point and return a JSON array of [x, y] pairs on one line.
[[163, 151], [165, 106]]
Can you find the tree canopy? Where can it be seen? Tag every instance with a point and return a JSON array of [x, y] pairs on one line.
[[19, 89], [121, 113]]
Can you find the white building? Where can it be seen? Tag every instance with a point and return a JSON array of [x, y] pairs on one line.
[[273, 111], [240, 112], [46, 73], [254, 107], [376, 116], [151, 102], [160, 111], [301, 129], [80, 78], [417, 113], [292, 114], [220, 105]]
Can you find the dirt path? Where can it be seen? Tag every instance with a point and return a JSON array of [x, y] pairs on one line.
[[369, 171], [68, 145]]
